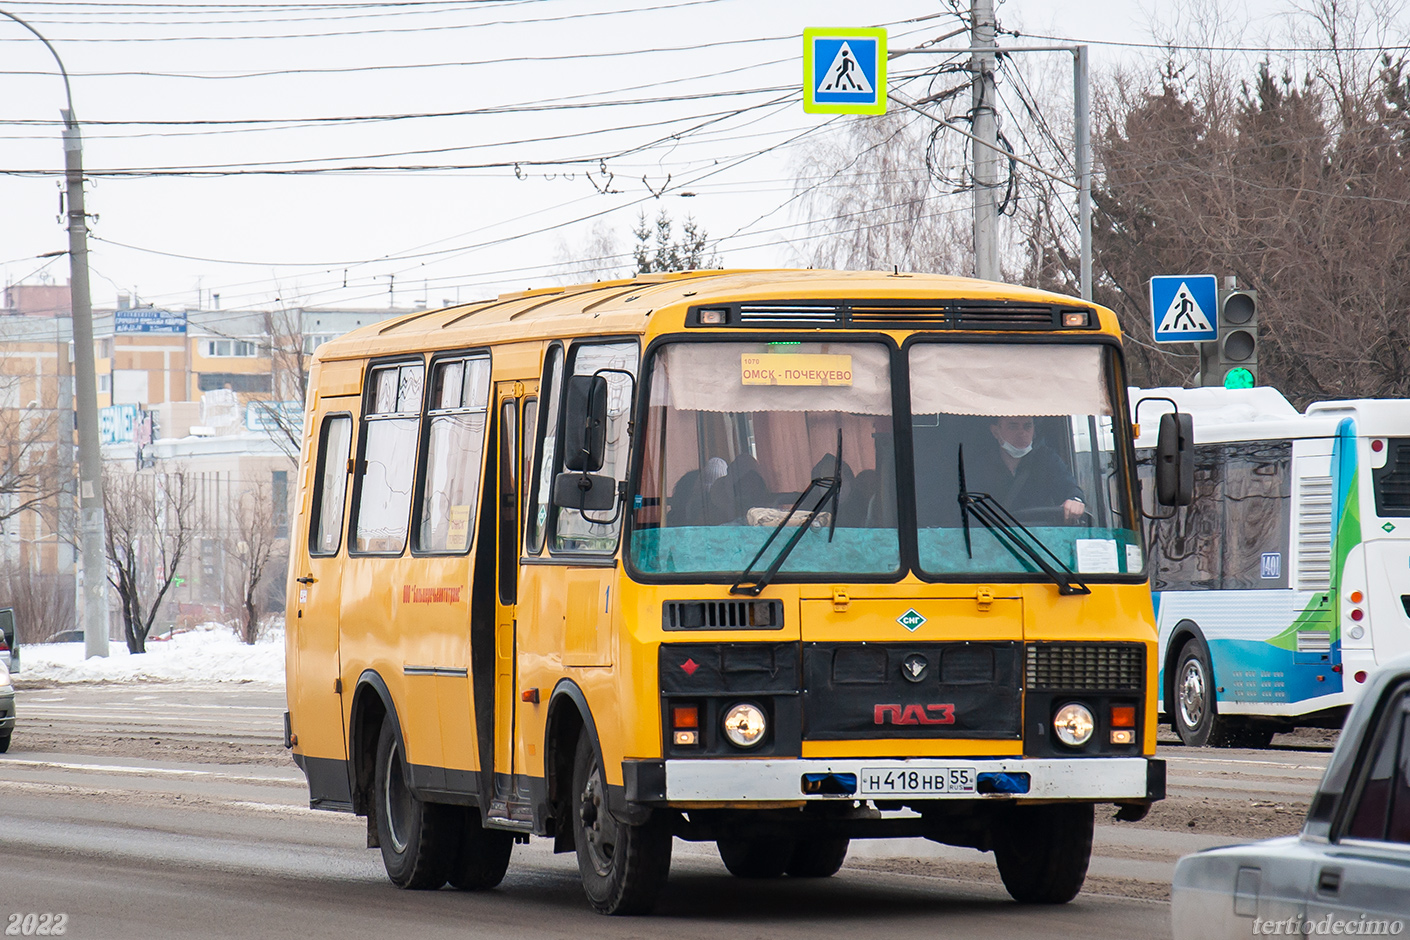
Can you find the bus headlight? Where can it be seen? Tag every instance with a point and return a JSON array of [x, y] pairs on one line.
[[745, 725], [1073, 725]]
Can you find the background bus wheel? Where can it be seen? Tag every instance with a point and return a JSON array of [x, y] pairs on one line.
[[1196, 719], [623, 867], [483, 857], [418, 839], [817, 858], [1043, 851], [755, 858]]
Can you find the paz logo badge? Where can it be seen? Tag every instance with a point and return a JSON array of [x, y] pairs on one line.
[[914, 666]]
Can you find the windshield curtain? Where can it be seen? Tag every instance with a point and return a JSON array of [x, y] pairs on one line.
[[1033, 428], [735, 432]]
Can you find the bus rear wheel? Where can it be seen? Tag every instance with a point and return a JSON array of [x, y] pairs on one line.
[[755, 858], [817, 858], [418, 840], [1043, 851], [623, 867], [1197, 719]]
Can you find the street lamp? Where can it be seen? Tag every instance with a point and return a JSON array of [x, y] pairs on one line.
[[90, 468]]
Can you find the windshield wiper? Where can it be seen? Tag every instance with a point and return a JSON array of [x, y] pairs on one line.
[[831, 490], [992, 514]]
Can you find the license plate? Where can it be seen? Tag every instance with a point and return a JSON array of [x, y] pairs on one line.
[[930, 781]]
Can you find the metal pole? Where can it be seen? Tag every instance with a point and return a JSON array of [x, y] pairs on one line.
[[986, 160], [90, 476], [1082, 125], [64, 553]]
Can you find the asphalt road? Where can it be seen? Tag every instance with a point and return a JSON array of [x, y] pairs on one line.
[[156, 811]]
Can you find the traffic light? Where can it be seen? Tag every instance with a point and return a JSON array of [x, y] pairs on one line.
[[1238, 339]]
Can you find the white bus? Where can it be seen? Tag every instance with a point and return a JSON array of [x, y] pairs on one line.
[[1288, 579]]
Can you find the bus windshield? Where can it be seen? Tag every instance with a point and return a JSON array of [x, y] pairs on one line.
[[737, 431]]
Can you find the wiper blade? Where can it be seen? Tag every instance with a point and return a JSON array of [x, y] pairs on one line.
[[994, 517], [831, 490]]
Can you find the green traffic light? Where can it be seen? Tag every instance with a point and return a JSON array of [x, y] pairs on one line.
[[1238, 378]]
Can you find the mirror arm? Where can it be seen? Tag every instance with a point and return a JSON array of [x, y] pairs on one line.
[[621, 504]]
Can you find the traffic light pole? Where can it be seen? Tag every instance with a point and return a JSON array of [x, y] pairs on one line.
[[90, 482]]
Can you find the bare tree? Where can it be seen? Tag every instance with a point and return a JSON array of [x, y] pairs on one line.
[[43, 603], [252, 545], [30, 474], [598, 257], [289, 361], [151, 525]]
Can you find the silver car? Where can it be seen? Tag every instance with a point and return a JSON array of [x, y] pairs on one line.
[[9, 644], [1348, 872], [7, 708]]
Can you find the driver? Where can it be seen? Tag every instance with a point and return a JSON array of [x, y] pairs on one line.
[[1022, 476]]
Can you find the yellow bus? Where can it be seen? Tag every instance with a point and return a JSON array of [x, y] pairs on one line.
[[773, 559]]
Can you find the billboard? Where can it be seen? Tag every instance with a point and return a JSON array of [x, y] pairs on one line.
[[148, 320]]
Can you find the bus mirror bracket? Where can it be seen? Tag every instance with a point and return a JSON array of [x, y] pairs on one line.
[[1174, 458]]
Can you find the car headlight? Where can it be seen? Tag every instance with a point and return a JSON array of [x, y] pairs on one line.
[[745, 725], [1074, 725], [5, 681]]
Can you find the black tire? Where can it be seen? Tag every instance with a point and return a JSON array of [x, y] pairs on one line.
[[1043, 851], [756, 858], [1196, 714], [1247, 733], [623, 867], [5, 741], [419, 840], [483, 855], [817, 858]]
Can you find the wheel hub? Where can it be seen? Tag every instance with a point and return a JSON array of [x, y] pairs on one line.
[[1192, 694], [596, 825], [397, 800]]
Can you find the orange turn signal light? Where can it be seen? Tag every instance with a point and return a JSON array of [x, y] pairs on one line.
[[1356, 597], [1123, 716], [685, 716]]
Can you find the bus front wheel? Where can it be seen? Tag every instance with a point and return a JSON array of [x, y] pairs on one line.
[[817, 858], [755, 858], [1043, 851], [623, 867], [418, 840], [1196, 715]]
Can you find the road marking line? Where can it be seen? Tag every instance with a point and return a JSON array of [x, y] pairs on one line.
[[142, 771]]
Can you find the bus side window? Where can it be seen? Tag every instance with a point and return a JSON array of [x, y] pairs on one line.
[[387, 466], [574, 530], [1186, 550], [456, 416], [1257, 495], [508, 501], [536, 520], [326, 527]]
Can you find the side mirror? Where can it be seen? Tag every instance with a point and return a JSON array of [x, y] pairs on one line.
[[1175, 460], [585, 425], [584, 491]]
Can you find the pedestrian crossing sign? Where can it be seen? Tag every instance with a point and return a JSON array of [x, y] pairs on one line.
[[1184, 308], [844, 71]]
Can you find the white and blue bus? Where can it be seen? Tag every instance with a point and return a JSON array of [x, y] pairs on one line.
[[1288, 579]]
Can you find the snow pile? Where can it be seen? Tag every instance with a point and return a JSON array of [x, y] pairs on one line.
[[209, 653]]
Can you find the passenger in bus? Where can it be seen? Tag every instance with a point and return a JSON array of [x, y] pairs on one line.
[[1023, 475]]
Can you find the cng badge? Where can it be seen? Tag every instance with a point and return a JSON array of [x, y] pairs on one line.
[[910, 620]]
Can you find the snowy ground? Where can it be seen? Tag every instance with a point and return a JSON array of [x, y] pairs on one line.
[[211, 652]]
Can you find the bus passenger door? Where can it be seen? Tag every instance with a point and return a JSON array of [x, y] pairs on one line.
[[316, 712], [509, 398]]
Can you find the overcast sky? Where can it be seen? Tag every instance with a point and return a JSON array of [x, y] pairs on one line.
[[602, 104]]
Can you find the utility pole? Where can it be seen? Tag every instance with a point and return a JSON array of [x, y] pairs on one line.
[[986, 157], [90, 466], [63, 420], [1082, 118]]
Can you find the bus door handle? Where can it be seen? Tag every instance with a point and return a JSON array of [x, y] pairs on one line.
[[310, 579]]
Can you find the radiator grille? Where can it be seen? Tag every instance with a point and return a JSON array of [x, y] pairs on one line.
[[722, 615], [1086, 667]]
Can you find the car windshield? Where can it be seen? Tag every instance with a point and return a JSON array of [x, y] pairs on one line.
[[736, 432], [1031, 427]]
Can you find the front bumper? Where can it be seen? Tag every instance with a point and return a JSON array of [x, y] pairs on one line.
[[1115, 779], [7, 710]]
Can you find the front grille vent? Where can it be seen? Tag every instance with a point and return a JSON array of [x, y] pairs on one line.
[[895, 314], [722, 615], [1086, 667]]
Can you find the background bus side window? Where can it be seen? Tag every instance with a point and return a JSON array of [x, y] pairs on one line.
[[326, 530], [388, 463], [1257, 495], [572, 530], [1185, 550], [536, 520], [457, 414]]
